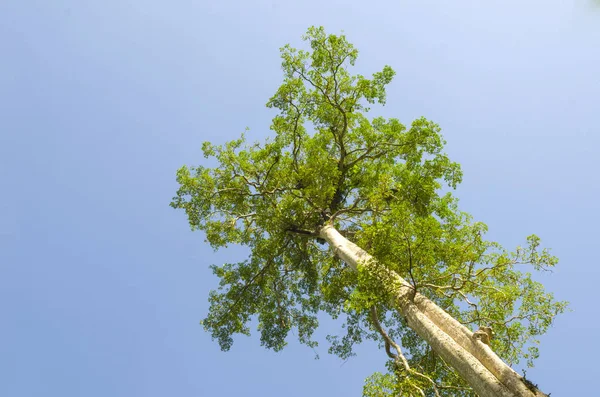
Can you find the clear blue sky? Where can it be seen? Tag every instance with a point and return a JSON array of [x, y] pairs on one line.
[[102, 284]]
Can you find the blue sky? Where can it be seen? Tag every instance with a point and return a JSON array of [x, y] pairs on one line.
[[102, 284]]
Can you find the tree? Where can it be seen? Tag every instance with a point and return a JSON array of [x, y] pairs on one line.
[[305, 202]]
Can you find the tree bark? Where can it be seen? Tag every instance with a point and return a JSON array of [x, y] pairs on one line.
[[474, 361]]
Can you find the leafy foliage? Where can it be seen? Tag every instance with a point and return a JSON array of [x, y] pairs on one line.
[[379, 183]]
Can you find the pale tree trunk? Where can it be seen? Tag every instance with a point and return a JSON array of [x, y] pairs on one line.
[[473, 360]]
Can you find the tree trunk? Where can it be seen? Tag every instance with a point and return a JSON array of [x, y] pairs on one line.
[[473, 360]]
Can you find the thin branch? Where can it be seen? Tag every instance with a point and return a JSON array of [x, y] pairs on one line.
[[399, 357], [410, 263], [303, 232]]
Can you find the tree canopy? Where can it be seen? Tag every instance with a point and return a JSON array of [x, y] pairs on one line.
[[380, 184]]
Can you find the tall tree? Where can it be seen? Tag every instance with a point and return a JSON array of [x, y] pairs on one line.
[[331, 181]]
